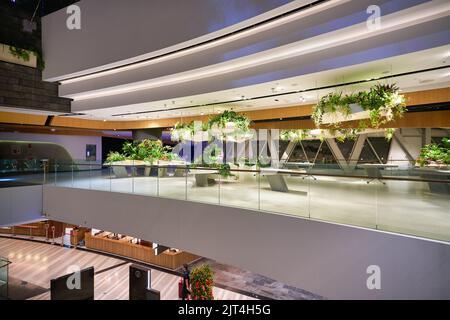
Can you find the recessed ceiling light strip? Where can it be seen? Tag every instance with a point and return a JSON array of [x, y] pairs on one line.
[[261, 26], [287, 93]]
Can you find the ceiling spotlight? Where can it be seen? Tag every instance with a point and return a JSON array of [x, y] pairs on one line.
[[202, 113], [276, 100], [104, 120]]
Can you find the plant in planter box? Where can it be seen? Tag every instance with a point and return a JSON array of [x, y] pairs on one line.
[[201, 280], [115, 156], [152, 150], [435, 154], [130, 150], [20, 53]]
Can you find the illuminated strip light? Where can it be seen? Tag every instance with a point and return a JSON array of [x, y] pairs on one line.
[[390, 23], [214, 43]]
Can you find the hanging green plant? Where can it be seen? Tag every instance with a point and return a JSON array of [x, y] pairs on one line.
[[229, 120], [389, 133], [182, 131], [228, 125], [381, 104], [295, 135]]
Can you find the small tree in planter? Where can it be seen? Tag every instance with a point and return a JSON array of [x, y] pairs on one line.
[[201, 280]]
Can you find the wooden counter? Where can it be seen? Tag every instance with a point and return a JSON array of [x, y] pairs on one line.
[[123, 247], [36, 229]]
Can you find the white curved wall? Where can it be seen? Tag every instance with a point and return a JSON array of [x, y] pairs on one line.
[[324, 258]]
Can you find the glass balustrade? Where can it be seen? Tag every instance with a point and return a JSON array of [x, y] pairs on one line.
[[395, 197]]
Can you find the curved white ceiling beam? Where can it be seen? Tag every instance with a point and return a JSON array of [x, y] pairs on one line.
[[58, 19], [396, 21], [214, 43]]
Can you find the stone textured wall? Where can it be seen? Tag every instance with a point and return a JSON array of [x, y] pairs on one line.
[[22, 87]]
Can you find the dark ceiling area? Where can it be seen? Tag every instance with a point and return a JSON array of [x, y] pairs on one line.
[[44, 7]]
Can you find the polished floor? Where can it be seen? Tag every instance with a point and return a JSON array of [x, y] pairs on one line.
[[406, 207], [35, 264]]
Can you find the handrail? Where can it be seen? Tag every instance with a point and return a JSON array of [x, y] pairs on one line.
[[291, 172]]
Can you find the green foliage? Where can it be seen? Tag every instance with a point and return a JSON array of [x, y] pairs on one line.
[[383, 101], [19, 53], [295, 135], [240, 121], [201, 280], [389, 133], [435, 153], [115, 156], [23, 53], [146, 150], [240, 129], [130, 150], [152, 150]]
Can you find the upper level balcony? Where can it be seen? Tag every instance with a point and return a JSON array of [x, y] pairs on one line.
[[391, 197]]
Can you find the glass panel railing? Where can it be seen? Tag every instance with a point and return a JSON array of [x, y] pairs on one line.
[[284, 191], [145, 180], [172, 181], [203, 185], [239, 188], [396, 196], [346, 200], [415, 207]]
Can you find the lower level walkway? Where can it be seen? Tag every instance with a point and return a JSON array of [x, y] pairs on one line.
[[34, 264]]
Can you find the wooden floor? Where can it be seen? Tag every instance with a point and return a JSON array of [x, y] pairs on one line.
[[37, 263]]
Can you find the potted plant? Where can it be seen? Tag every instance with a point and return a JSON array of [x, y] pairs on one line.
[[201, 281]]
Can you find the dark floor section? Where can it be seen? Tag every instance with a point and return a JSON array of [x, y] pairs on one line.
[[22, 290], [246, 281]]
